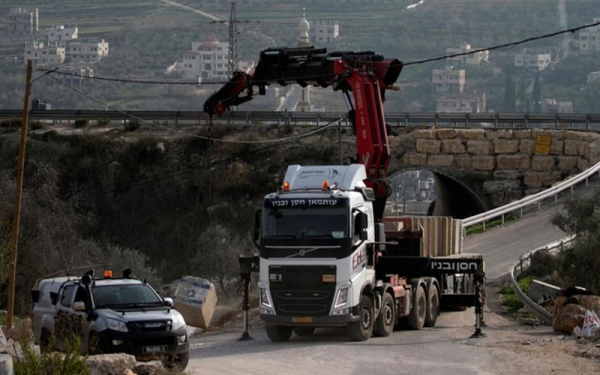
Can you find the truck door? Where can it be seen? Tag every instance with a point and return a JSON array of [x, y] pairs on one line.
[[68, 322]]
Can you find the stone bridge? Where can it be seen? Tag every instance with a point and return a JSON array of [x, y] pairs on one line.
[[479, 169]]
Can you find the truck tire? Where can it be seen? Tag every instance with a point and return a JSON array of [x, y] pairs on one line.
[[45, 341], [177, 363], [279, 333], [384, 325], [433, 306], [94, 344], [304, 331], [362, 329], [416, 319]]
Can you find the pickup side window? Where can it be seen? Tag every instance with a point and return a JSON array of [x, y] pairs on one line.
[[67, 295]]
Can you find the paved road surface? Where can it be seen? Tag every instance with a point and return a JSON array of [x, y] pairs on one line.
[[444, 349]]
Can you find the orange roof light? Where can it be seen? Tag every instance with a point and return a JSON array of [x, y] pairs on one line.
[[108, 274], [325, 185], [286, 186]]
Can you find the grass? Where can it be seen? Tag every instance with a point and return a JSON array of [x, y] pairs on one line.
[[476, 229], [510, 300]]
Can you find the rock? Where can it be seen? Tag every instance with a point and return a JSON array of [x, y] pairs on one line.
[[22, 331], [150, 368], [110, 364], [569, 317]]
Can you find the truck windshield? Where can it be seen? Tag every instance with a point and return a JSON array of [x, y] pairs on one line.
[[125, 295], [313, 222]]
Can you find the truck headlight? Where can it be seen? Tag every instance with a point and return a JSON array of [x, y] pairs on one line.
[[342, 298], [264, 298], [178, 322], [116, 325]]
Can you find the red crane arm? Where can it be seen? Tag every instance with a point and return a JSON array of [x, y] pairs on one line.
[[365, 74]]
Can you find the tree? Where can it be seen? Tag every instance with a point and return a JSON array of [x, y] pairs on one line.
[[579, 264]]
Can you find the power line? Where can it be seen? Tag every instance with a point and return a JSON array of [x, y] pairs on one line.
[[423, 61], [175, 130], [246, 153]]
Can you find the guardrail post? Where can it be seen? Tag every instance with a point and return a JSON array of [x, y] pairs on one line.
[[502, 219], [521, 212]]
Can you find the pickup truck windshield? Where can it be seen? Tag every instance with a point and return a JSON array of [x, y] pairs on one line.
[[134, 295], [311, 222]]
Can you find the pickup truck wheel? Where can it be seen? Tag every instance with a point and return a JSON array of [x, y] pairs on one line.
[[279, 333], [433, 306], [304, 331], [416, 319], [177, 363], [94, 346], [362, 329], [384, 325], [45, 337]]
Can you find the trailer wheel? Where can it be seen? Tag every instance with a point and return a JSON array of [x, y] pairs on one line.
[[279, 333], [362, 329], [433, 306], [384, 325], [304, 331], [416, 319]]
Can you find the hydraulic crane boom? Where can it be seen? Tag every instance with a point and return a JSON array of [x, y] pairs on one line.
[[365, 74]]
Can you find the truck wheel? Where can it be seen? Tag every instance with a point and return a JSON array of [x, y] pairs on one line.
[[416, 319], [279, 333], [362, 329], [94, 346], [433, 306], [384, 325], [45, 338], [304, 331], [177, 363]]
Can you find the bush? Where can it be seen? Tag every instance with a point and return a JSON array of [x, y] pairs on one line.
[[103, 121], [81, 123], [11, 123], [132, 125], [51, 363]]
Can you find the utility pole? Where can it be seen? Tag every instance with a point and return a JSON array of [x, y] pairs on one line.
[[12, 273], [232, 56]]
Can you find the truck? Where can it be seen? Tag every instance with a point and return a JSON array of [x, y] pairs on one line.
[[327, 255], [109, 315]]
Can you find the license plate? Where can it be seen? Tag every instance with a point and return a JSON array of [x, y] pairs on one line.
[[303, 319], [154, 349]]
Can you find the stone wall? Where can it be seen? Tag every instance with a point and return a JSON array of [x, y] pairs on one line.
[[500, 165]]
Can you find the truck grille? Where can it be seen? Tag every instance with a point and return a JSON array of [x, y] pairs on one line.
[[150, 326], [301, 290]]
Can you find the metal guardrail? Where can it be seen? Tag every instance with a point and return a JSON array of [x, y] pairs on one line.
[[531, 199], [522, 264], [576, 121]]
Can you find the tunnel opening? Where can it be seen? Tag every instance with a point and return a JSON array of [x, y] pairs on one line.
[[432, 193]]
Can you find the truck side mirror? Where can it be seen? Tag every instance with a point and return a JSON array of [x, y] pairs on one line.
[[364, 226], [168, 301], [256, 228]]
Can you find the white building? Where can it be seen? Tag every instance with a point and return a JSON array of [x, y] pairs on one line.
[[593, 77], [60, 33], [325, 31], [87, 52], [589, 39], [207, 60], [23, 21], [556, 106], [42, 53], [461, 103], [536, 61], [448, 80], [471, 59]]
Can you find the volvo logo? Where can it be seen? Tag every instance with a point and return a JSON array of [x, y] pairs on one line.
[[302, 252]]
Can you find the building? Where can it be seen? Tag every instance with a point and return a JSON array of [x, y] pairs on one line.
[[471, 59], [448, 80], [41, 53], [593, 77], [60, 33], [531, 60], [556, 106], [461, 103], [23, 21], [325, 31], [304, 104], [78, 74], [206, 60], [87, 52], [589, 39]]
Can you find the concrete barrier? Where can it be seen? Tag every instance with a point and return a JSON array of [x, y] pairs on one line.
[[6, 365]]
